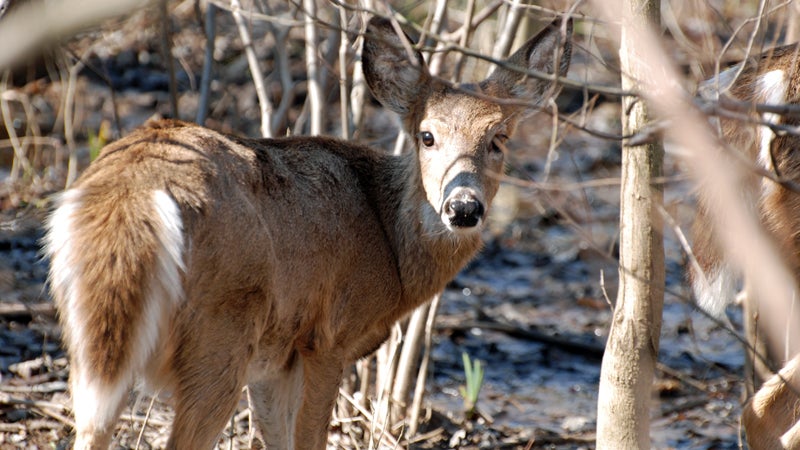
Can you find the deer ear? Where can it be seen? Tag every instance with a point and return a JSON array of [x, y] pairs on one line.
[[396, 74], [548, 51]]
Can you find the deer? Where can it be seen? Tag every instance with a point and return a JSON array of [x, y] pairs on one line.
[[771, 412], [196, 263]]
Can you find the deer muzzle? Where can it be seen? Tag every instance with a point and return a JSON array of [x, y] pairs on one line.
[[463, 209]]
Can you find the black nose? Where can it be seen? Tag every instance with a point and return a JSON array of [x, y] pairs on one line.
[[463, 209]]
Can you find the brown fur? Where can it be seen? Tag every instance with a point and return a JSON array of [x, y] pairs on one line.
[[770, 416], [295, 255]]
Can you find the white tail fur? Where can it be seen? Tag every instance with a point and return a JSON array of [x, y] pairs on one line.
[[204, 262]]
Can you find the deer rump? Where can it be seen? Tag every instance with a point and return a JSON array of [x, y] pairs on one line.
[[772, 78], [203, 262]]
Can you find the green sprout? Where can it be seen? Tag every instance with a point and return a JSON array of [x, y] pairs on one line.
[[98, 140], [473, 373]]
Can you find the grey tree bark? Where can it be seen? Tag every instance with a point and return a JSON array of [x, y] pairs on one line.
[[626, 377]]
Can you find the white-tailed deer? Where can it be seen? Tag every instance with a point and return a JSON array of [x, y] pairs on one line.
[[202, 262], [771, 415]]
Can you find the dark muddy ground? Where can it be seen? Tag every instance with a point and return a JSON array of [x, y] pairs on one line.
[[533, 307]]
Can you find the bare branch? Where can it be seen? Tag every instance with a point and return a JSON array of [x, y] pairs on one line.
[[166, 52], [314, 100], [255, 71], [508, 30], [208, 62]]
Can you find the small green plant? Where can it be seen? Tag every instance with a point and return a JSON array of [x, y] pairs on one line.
[[473, 372], [99, 140]]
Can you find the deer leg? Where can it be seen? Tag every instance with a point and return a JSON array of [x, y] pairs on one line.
[[759, 357], [322, 376], [213, 352], [276, 401], [770, 417], [96, 405], [209, 388]]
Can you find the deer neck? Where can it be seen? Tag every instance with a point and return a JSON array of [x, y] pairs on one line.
[[428, 255]]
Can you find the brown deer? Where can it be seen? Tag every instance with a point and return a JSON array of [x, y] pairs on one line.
[[201, 262], [771, 415]]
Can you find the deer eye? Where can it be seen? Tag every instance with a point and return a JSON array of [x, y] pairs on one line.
[[498, 143], [427, 138]]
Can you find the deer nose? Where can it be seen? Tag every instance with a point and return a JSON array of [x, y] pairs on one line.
[[463, 209]]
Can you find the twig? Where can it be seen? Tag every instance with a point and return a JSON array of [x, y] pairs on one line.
[[103, 75], [69, 112], [604, 291], [684, 405], [13, 309], [258, 16], [408, 360], [465, 32], [46, 408], [169, 61], [208, 62], [509, 30], [687, 380], [282, 67], [343, 100], [422, 373], [358, 93], [434, 57], [386, 366], [42, 388], [35, 140], [485, 13], [144, 423], [390, 440], [252, 61], [150, 420], [552, 151], [314, 99], [20, 159], [591, 351], [32, 134]]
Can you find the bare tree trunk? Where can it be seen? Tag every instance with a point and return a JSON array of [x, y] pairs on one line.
[[632, 348]]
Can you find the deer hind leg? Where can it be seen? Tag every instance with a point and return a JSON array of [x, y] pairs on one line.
[[216, 338], [770, 417], [96, 406], [760, 357], [276, 401], [322, 376]]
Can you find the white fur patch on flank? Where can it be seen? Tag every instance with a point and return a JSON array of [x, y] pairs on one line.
[[715, 293], [771, 89]]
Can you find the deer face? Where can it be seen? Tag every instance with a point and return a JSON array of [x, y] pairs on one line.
[[460, 153], [459, 132]]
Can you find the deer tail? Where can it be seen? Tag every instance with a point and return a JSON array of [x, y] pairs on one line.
[[116, 259]]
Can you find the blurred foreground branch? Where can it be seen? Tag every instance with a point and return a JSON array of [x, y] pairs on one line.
[[30, 26]]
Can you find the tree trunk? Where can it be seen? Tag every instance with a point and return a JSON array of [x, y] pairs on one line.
[[623, 411]]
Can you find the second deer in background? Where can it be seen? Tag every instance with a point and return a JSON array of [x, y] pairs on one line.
[[770, 416]]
